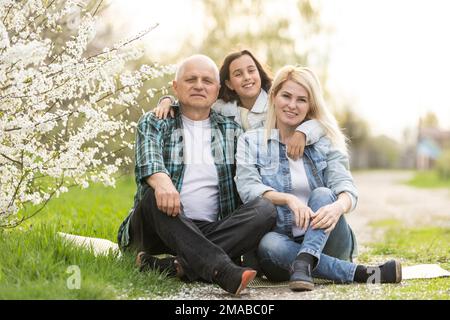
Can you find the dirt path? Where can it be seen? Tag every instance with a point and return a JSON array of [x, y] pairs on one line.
[[382, 196]]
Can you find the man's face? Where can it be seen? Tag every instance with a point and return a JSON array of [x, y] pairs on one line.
[[197, 85]]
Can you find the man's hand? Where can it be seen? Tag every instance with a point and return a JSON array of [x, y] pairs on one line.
[[296, 145], [302, 213], [167, 196]]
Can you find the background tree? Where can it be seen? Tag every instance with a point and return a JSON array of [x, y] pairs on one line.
[[357, 131], [275, 39], [429, 120], [383, 152], [63, 112]]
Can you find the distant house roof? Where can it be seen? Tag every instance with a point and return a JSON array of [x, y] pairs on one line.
[[436, 134]]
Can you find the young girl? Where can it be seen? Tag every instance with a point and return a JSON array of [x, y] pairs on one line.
[[243, 98]]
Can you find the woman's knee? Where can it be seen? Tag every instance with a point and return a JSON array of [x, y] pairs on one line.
[[340, 241], [322, 193], [320, 197]]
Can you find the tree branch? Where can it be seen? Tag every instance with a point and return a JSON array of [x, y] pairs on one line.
[[11, 226], [10, 159]]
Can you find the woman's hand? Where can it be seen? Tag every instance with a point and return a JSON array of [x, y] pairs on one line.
[[163, 109], [327, 217], [296, 145], [302, 213]]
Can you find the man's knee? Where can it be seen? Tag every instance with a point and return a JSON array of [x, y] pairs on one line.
[[266, 208], [266, 211], [148, 201], [147, 207]]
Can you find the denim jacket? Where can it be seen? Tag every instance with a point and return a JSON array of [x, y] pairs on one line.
[[256, 116], [264, 167]]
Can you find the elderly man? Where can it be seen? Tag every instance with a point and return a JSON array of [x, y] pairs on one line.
[[186, 202]]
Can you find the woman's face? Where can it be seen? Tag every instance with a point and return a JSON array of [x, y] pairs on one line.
[[244, 77], [291, 104]]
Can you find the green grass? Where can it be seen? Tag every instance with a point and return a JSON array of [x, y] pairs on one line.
[[424, 245], [93, 212], [428, 179], [418, 289], [421, 245], [34, 260], [385, 223]]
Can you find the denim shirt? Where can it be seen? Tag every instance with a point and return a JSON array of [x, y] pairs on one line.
[[264, 167]]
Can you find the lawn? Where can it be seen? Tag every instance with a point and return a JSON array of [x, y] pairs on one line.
[[35, 263], [428, 179], [412, 246], [422, 245]]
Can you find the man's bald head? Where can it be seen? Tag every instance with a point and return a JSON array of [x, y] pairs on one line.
[[196, 86], [199, 59]]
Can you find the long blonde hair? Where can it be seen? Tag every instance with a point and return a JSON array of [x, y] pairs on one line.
[[317, 107]]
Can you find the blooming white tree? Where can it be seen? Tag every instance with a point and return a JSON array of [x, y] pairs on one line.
[[63, 114]]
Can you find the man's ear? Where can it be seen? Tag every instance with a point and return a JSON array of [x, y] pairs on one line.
[[228, 84], [174, 86]]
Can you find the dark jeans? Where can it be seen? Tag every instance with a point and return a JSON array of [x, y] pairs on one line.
[[200, 247]]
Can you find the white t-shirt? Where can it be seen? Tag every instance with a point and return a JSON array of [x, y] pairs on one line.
[[200, 190], [300, 187]]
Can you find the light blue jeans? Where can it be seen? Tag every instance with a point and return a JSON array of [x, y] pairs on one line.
[[277, 252]]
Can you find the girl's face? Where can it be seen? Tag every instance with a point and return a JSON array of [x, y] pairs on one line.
[[291, 104], [244, 77]]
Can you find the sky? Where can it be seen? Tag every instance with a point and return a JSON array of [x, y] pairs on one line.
[[389, 59]]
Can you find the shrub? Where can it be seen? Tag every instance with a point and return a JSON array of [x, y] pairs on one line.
[[443, 165]]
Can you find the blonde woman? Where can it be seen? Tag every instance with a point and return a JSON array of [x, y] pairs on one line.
[[312, 193]]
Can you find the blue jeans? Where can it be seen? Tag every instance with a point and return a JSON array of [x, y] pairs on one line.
[[277, 252]]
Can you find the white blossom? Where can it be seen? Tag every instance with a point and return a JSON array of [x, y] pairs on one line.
[[61, 110]]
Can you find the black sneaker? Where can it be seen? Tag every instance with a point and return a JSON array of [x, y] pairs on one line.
[[301, 279], [391, 272], [146, 262], [234, 279]]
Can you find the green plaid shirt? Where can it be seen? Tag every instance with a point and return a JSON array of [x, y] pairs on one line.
[[159, 148]]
